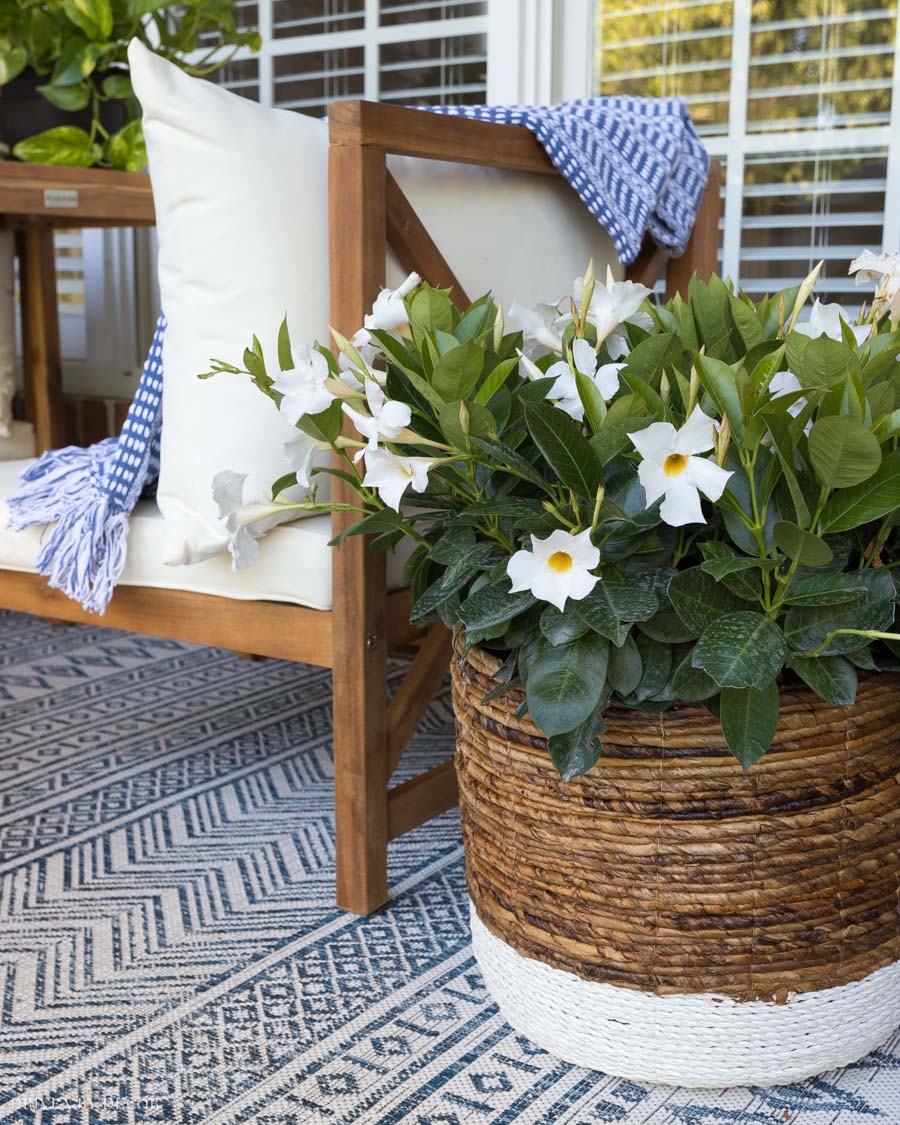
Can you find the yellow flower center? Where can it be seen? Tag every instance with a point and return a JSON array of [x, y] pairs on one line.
[[560, 562], [675, 464], [406, 471]]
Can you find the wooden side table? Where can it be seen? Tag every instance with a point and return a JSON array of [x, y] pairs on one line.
[[35, 200]]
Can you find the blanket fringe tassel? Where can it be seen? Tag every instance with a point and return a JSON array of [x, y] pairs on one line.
[[84, 552]]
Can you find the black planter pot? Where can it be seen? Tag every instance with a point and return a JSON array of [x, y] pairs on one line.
[[24, 112]]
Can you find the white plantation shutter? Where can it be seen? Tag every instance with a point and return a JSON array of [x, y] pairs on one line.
[[799, 99], [422, 52]]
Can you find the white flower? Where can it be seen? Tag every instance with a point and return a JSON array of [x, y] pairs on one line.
[[304, 387], [612, 305], [389, 312], [670, 468], [245, 523], [556, 568], [885, 269], [565, 390], [385, 420], [368, 353], [825, 320], [528, 367], [392, 475], [300, 453], [785, 383], [536, 326]]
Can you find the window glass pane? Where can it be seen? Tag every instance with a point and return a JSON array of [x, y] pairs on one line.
[[667, 50], [241, 76], [816, 67], [417, 11], [449, 71], [308, 82], [317, 17]]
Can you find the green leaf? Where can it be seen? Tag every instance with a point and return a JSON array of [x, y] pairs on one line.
[[692, 685], [285, 356], [126, 150], [699, 599], [496, 453], [718, 380], [430, 310], [843, 451], [495, 379], [65, 145], [324, 426], [456, 373], [831, 677], [459, 420], [741, 650], [625, 667], [650, 358], [493, 605], [574, 752], [76, 61], [560, 627], [592, 401], [656, 659], [871, 500], [565, 448], [749, 719], [117, 86], [565, 683], [12, 62], [801, 546], [825, 589], [806, 627], [94, 17], [826, 362], [615, 599], [68, 98]]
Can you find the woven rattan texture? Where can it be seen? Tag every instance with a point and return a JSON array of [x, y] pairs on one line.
[[666, 868]]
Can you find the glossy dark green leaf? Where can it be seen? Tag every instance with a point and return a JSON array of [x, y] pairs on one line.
[[801, 546], [741, 650], [749, 718], [565, 449], [825, 589], [575, 751], [831, 677], [457, 372], [699, 599], [625, 667], [692, 685], [565, 683]]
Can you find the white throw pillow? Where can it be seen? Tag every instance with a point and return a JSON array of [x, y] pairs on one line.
[[241, 196]]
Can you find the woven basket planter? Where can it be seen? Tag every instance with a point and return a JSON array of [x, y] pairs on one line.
[[668, 918]]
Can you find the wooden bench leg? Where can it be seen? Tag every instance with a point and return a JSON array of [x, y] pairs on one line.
[[357, 205], [40, 335], [360, 729]]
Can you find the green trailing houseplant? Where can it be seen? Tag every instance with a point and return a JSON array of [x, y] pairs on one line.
[[77, 49], [629, 504]]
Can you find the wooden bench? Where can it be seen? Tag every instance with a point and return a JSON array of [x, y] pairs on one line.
[[367, 211]]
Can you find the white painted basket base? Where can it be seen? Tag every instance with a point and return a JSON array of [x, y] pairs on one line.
[[697, 1040]]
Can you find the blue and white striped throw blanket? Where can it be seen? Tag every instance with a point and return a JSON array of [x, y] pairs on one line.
[[637, 164], [88, 494]]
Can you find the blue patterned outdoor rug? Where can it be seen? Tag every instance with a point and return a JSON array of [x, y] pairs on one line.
[[169, 951]]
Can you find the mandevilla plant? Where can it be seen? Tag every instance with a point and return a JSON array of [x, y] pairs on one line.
[[633, 505]]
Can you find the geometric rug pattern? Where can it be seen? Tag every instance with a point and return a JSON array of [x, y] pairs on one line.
[[169, 948]]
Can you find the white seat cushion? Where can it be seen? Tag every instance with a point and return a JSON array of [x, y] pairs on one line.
[[294, 567]]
